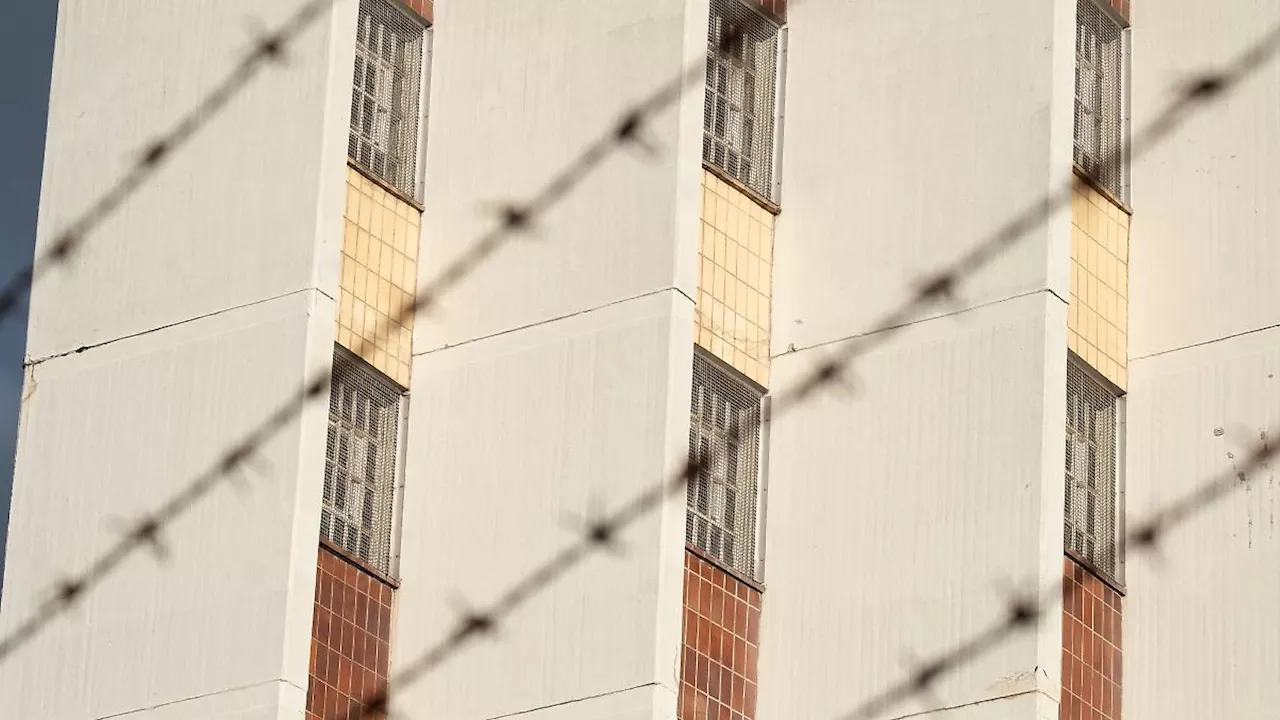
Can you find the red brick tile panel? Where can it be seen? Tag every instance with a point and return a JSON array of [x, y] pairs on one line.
[[1091, 646], [350, 636], [778, 8], [1121, 7], [721, 644], [425, 8]]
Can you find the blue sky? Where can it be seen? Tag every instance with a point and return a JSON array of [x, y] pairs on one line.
[[26, 46]]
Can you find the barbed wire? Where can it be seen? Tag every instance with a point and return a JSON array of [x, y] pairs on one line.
[[603, 533], [515, 219], [270, 48]]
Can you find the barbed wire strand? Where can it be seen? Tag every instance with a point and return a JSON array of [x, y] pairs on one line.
[[67, 244], [603, 533], [514, 218]]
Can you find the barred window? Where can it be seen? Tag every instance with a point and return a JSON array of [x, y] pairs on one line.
[[1099, 121], [724, 437], [1090, 521], [384, 99], [361, 460], [738, 114]]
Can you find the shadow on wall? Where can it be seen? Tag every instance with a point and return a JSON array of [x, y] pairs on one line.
[[26, 41]]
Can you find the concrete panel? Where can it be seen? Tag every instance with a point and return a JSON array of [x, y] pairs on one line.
[[914, 128], [515, 441], [109, 434], [1204, 260], [247, 209], [1200, 632], [502, 128], [902, 514]]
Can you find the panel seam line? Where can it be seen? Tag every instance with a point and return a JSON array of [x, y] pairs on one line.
[[201, 696], [1202, 343], [941, 316], [558, 318], [1010, 696], [573, 701], [158, 328]]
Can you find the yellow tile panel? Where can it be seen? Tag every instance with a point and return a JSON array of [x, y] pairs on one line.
[[734, 279], [378, 273], [1098, 314]]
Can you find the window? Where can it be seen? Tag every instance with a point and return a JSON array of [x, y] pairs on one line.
[[384, 99], [724, 436], [361, 460], [738, 115], [1099, 123], [1090, 526]]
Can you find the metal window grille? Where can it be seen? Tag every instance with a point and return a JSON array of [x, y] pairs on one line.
[[1090, 519], [1099, 121], [384, 99], [361, 460], [724, 437], [738, 114]]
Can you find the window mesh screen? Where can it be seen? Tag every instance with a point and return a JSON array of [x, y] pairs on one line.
[[724, 436], [1099, 123], [738, 115], [1089, 526], [384, 99], [361, 460]]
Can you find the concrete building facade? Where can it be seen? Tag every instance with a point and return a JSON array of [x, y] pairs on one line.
[[833, 155]]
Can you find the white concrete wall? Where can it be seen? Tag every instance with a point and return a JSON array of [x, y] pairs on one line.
[[193, 312], [107, 436], [913, 129], [518, 90], [1201, 636], [514, 442], [901, 513], [233, 217], [554, 382]]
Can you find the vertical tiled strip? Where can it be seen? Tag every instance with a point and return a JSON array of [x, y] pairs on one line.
[[1097, 332], [1091, 646], [351, 627], [350, 636], [733, 320], [721, 644], [720, 653]]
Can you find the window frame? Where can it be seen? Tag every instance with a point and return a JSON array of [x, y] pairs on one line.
[[1117, 492], [1121, 192], [768, 144], [749, 571], [406, 182], [386, 524]]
